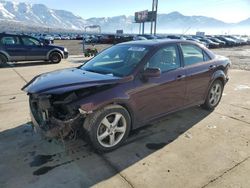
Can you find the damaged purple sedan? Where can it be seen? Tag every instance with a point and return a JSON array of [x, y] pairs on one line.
[[125, 87]]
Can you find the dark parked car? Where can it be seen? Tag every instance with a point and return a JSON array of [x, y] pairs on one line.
[[125, 87], [175, 37], [198, 41], [229, 42], [210, 43], [123, 38], [26, 48], [149, 37], [107, 39], [221, 43]]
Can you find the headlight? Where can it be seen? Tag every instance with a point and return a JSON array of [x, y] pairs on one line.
[[65, 49]]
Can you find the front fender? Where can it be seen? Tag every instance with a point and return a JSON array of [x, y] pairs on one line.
[[89, 105], [55, 50], [118, 93]]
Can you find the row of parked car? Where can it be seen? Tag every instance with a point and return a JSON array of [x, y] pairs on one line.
[[88, 38], [210, 41], [52, 37]]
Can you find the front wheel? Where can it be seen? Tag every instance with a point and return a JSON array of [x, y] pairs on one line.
[[3, 59], [108, 128], [55, 57], [214, 95]]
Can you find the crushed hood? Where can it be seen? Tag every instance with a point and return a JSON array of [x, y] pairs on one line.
[[66, 80]]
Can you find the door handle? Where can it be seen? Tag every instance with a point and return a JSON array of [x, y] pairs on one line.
[[212, 67], [180, 77]]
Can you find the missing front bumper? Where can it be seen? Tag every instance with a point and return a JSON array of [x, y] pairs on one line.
[[57, 129]]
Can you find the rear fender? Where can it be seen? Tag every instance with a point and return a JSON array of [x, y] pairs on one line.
[[219, 74]]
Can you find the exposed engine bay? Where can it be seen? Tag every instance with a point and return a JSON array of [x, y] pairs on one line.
[[55, 118], [55, 114]]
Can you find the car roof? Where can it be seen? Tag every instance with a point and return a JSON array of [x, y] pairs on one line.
[[156, 42], [161, 42]]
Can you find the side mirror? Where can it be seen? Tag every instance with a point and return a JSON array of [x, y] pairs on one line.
[[41, 44], [151, 73]]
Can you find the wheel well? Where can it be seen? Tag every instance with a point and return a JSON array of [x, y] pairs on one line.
[[129, 110], [4, 56], [221, 79], [55, 51]]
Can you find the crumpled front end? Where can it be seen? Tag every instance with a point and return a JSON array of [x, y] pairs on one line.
[[54, 117]]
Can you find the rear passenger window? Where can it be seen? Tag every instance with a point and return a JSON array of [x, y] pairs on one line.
[[193, 54], [165, 59], [10, 40]]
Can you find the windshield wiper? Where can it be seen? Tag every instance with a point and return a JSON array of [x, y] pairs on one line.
[[98, 71], [104, 72]]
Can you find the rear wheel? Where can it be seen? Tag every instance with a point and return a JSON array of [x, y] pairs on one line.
[[108, 128], [3, 59], [214, 95], [55, 57]]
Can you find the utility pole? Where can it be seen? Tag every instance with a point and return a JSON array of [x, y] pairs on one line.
[[143, 26], [156, 9], [154, 22]]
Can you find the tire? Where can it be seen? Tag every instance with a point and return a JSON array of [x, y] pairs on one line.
[[103, 132], [55, 57], [3, 59], [214, 95]]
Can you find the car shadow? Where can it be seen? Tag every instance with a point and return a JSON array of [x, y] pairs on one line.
[[50, 159]]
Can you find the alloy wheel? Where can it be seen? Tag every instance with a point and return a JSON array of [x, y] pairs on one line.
[[55, 58], [111, 130], [215, 94]]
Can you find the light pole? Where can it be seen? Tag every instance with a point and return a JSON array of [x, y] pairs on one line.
[[154, 22], [156, 9]]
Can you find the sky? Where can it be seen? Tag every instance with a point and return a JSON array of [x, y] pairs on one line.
[[230, 11]]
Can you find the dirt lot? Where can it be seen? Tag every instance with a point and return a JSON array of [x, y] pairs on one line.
[[240, 56], [191, 148], [75, 47]]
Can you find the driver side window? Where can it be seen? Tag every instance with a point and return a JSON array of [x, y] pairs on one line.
[[165, 59]]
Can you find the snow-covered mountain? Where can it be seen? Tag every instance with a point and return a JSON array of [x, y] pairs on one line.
[[38, 15], [173, 22], [245, 22]]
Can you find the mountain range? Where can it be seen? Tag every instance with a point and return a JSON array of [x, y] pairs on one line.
[[14, 15]]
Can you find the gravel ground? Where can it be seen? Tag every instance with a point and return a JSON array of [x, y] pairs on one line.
[[240, 56], [75, 46]]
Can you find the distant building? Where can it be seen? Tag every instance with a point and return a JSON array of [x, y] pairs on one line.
[[200, 34]]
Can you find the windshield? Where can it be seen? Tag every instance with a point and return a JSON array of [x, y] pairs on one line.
[[117, 61]]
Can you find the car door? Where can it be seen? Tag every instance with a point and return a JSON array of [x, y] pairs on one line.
[[158, 96], [34, 49], [199, 69], [12, 45]]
